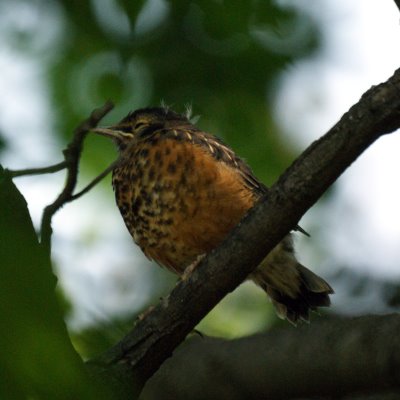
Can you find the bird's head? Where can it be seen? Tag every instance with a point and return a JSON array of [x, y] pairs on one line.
[[141, 123]]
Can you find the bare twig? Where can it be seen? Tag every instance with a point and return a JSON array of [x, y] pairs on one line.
[[37, 171], [151, 342], [95, 181], [72, 155]]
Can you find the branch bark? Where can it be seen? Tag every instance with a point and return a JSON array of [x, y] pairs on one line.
[[333, 358], [154, 338], [38, 171], [397, 2], [72, 156]]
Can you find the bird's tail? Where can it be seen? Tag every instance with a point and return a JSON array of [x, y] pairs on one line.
[[293, 289]]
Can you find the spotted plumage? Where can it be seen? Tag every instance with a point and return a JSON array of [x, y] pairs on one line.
[[181, 190]]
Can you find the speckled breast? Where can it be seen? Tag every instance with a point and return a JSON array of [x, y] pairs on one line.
[[176, 200]]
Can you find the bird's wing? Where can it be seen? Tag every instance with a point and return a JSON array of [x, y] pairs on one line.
[[221, 152]]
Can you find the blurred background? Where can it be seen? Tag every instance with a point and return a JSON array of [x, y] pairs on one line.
[[269, 77]]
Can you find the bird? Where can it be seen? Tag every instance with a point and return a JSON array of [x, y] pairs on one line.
[[181, 190]]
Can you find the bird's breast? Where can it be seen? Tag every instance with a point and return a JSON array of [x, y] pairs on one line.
[[177, 201]]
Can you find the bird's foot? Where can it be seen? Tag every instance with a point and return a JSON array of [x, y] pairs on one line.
[[190, 268], [145, 313]]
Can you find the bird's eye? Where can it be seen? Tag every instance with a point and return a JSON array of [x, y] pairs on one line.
[[138, 125]]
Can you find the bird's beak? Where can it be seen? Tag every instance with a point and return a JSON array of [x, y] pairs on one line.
[[107, 131], [112, 132]]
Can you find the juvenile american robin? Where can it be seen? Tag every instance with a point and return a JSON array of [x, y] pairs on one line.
[[181, 190]]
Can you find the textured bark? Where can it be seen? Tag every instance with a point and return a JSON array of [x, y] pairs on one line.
[[138, 356], [331, 358]]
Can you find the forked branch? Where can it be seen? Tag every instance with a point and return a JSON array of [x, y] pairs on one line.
[[72, 156]]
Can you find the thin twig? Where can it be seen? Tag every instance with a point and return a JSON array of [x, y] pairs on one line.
[[72, 155], [95, 181], [397, 4], [37, 171]]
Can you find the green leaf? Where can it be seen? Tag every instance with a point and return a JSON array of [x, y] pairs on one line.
[[37, 359]]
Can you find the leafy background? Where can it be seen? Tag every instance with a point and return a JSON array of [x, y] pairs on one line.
[[268, 77]]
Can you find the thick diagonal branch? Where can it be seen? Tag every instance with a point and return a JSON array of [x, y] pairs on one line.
[[155, 337]]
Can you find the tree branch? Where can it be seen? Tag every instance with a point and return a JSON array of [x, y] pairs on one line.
[[37, 171], [95, 181], [397, 4], [333, 358], [152, 341], [72, 156]]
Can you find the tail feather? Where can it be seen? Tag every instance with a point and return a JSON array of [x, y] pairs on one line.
[[299, 307], [293, 289], [311, 292], [312, 281]]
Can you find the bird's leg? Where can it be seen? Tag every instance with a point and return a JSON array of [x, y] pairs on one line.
[[190, 268]]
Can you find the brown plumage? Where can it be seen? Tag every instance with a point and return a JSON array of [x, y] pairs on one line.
[[181, 190]]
